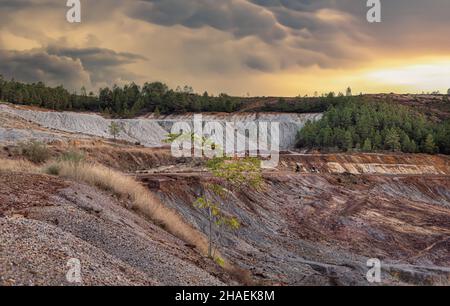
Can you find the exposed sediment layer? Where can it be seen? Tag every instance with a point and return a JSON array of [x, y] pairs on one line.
[[150, 131], [305, 229]]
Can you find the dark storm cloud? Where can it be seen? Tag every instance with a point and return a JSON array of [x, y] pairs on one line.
[[13, 4], [259, 63], [94, 58], [37, 65], [328, 28], [294, 25], [296, 5], [71, 66], [239, 18], [19, 4], [103, 65]]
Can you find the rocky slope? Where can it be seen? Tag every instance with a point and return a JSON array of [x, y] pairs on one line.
[[388, 164], [46, 221], [305, 229], [148, 131]]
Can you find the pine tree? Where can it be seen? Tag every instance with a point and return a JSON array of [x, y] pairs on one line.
[[429, 146], [115, 129], [348, 141], [367, 147], [406, 144], [392, 141], [378, 141], [157, 112], [413, 147]]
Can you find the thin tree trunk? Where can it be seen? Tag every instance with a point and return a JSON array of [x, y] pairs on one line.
[[210, 233]]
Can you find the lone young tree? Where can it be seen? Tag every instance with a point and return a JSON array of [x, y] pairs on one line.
[[233, 175], [230, 175], [115, 129]]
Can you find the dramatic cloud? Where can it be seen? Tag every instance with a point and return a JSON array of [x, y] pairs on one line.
[[261, 46], [296, 25], [103, 65], [32, 66], [72, 67], [240, 18]]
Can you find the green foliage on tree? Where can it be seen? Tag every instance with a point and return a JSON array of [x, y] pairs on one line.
[[408, 145], [157, 112], [353, 125], [392, 140], [348, 140], [367, 147], [234, 175], [115, 129], [231, 176], [429, 145], [127, 101]]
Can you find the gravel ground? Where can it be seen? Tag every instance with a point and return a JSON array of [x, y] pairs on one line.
[[42, 230], [36, 253]]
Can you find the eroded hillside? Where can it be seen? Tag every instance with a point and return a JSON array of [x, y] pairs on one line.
[[317, 220], [305, 229], [147, 130]]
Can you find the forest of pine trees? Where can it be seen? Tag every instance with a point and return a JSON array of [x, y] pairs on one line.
[[131, 100], [369, 126], [124, 102]]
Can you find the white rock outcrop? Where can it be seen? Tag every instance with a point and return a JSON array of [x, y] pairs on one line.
[[150, 131]]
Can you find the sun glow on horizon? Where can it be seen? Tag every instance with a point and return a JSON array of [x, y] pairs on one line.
[[407, 76], [430, 76]]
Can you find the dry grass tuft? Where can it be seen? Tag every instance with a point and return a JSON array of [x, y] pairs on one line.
[[21, 165], [127, 187]]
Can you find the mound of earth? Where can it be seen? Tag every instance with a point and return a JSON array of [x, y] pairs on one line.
[[148, 130]]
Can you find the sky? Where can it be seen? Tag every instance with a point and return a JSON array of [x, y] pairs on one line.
[[239, 47]]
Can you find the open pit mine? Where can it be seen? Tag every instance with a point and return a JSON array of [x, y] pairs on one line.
[[318, 220]]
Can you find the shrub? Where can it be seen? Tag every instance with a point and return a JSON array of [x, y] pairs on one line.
[[219, 260], [35, 151], [52, 169], [73, 156]]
